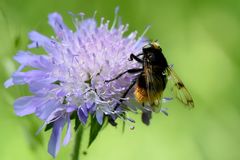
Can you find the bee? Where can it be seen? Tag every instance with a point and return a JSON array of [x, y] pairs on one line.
[[151, 80]]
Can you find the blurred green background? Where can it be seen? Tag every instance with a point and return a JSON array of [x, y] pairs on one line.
[[201, 39]]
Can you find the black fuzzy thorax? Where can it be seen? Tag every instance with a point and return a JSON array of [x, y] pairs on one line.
[[154, 67]]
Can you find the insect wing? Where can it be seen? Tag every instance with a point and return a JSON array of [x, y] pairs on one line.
[[179, 89], [154, 93]]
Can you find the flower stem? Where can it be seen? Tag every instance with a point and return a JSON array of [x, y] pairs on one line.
[[77, 145]]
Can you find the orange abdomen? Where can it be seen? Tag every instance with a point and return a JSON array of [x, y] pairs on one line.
[[141, 95]]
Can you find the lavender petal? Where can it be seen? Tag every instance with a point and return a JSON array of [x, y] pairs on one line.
[[68, 133], [25, 105], [55, 140]]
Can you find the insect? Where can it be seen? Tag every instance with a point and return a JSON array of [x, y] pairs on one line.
[[151, 80]]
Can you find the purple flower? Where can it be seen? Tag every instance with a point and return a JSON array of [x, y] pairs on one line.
[[70, 77]]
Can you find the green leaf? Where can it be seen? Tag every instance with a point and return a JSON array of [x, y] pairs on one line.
[[77, 123], [94, 130], [105, 122], [48, 127], [74, 117], [123, 126], [124, 123], [58, 82]]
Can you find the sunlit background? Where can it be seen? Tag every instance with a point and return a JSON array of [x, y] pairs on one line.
[[201, 39]]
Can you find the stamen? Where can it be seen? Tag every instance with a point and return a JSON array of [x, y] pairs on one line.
[[94, 14], [75, 19], [102, 21], [125, 28], [124, 118], [141, 37], [167, 99], [115, 17], [164, 111], [131, 120], [82, 15]]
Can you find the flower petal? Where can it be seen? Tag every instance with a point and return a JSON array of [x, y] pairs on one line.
[[71, 108], [44, 85], [39, 40], [56, 21], [29, 59], [54, 115], [25, 105], [8, 83], [99, 116], [85, 109], [68, 134], [81, 115], [28, 77], [55, 140], [46, 109], [18, 78]]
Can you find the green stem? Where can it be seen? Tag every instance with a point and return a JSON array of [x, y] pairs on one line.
[[77, 145]]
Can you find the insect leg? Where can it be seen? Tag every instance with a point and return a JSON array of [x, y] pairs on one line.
[[146, 117], [131, 71], [135, 57], [125, 93], [110, 119]]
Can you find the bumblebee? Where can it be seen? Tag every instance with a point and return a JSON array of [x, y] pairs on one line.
[[151, 80]]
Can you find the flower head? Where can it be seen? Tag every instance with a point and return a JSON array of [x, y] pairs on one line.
[[70, 77]]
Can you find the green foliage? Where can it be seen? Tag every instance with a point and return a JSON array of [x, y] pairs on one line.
[[94, 130], [77, 121], [48, 127]]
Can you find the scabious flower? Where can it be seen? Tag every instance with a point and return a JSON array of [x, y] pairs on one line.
[[69, 78]]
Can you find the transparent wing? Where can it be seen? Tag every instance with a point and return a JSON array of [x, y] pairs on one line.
[[179, 89], [148, 75], [154, 94]]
